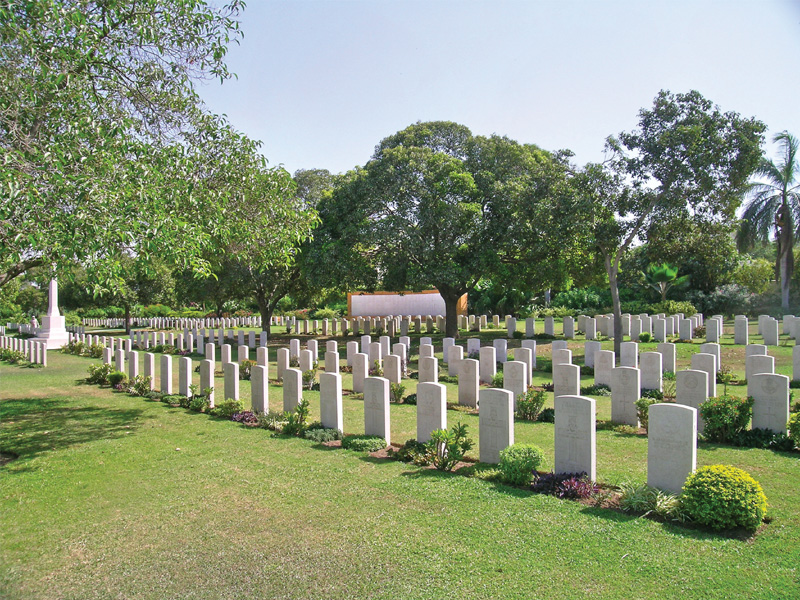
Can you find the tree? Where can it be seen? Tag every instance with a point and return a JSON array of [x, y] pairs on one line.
[[774, 205], [106, 145], [662, 278], [685, 157], [437, 207]]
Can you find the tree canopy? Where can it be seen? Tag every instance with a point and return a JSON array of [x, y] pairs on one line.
[[439, 207], [107, 148], [686, 157]]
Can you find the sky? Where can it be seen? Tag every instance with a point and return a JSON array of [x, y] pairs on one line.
[[322, 82]]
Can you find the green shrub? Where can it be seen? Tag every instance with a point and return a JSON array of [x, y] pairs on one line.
[[518, 335], [396, 391], [13, 357], [645, 337], [497, 380], [98, 374], [117, 378], [195, 403], [410, 399], [598, 389], [296, 422], [724, 497], [449, 447], [518, 462], [672, 307], [414, 452], [548, 415], [325, 313], [176, 400], [322, 434], [140, 385], [725, 416], [245, 369], [273, 420], [529, 405], [363, 443], [226, 409], [585, 299], [643, 409], [794, 429], [309, 379]]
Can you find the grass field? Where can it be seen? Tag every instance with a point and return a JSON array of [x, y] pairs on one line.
[[114, 496]]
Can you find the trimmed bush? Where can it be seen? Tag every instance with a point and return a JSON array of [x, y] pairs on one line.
[[363, 443], [518, 462], [724, 497], [116, 378], [725, 417]]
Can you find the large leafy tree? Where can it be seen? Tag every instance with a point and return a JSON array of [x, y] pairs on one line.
[[437, 207], [685, 157], [774, 207], [106, 146]]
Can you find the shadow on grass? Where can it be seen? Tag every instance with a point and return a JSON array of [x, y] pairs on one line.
[[33, 426]]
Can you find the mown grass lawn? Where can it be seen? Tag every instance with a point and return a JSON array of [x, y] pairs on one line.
[[117, 497]]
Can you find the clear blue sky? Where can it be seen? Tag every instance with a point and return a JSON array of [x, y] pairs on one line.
[[321, 82]]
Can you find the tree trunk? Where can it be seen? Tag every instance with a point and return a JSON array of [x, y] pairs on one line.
[[127, 318], [612, 268], [783, 221], [451, 297]]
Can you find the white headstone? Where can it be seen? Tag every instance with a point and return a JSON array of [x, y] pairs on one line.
[[495, 423], [671, 445], [575, 447]]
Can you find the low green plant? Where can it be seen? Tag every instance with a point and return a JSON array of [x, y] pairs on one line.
[[725, 376], [724, 497], [597, 389], [448, 379], [396, 391], [410, 399], [449, 447], [414, 452], [245, 369], [363, 443], [226, 409], [497, 380], [794, 429], [643, 409], [645, 337], [548, 415], [530, 404], [518, 335], [13, 357], [140, 385], [196, 403], [518, 462], [98, 374], [641, 498], [296, 421], [273, 420], [725, 416], [309, 379], [653, 394], [377, 369], [117, 378], [322, 434]]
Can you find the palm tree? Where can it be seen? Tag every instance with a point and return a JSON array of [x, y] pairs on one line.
[[774, 206], [662, 278]]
